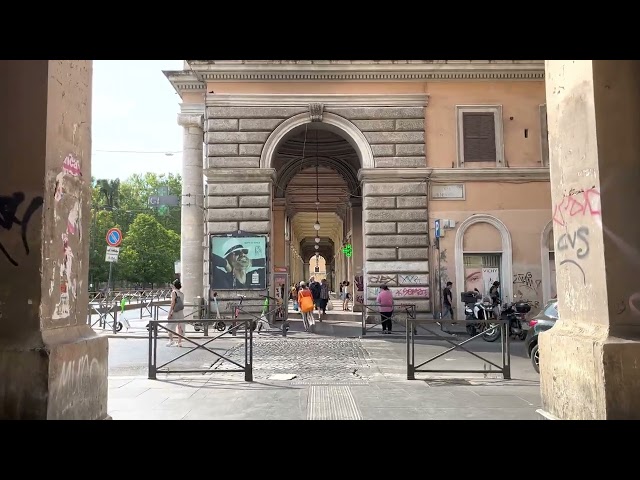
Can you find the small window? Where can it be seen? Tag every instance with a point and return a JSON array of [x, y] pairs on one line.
[[480, 138]]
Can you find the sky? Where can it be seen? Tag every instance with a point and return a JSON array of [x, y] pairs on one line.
[[134, 111]]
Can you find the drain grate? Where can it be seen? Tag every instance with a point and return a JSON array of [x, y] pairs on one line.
[[447, 382]]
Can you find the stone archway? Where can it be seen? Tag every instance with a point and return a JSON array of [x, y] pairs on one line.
[[335, 123], [506, 266]]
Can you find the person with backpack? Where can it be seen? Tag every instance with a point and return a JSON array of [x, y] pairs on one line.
[[176, 312], [305, 300]]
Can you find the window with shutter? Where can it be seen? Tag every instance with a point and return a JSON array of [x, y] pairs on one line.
[[479, 136]]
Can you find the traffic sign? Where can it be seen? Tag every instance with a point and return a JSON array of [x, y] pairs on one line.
[[114, 237], [437, 229], [112, 254]]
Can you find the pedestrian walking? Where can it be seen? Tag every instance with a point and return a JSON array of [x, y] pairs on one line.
[[385, 302], [305, 301], [176, 312], [447, 302], [324, 296]]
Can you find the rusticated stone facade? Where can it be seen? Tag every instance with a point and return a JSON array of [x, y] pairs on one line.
[[395, 241]]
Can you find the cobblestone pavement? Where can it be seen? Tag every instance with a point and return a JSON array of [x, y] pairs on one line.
[[310, 359]]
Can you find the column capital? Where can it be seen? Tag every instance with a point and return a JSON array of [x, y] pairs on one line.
[[191, 120]]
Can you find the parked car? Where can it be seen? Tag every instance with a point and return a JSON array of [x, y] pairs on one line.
[[543, 320]]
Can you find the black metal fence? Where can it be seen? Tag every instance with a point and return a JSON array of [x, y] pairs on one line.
[[155, 326], [371, 317], [492, 324]]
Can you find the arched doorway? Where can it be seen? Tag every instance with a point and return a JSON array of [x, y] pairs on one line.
[[316, 167], [483, 254]]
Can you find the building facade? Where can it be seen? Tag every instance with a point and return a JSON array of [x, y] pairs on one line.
[[332, 157]]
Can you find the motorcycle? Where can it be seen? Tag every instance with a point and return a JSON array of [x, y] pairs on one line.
[[476, 308], [515, 313]]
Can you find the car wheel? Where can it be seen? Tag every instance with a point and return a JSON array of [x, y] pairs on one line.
[[535, 358]]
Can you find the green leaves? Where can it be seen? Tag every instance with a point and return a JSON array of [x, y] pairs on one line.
[[149, 251], [151, 234]]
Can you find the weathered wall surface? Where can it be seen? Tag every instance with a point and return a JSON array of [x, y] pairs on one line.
[[51, 363]]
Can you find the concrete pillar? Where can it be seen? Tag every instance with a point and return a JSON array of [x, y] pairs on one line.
[[192, 220], [396, 243], [52, 364], [589, 365]]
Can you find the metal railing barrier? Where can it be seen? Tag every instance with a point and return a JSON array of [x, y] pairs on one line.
[[165, 325], [502, 324], [371, 311]]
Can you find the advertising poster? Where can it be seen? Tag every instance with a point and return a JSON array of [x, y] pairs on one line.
[[238, 263]]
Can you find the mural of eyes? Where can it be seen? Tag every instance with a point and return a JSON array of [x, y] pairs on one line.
[[474, 277]]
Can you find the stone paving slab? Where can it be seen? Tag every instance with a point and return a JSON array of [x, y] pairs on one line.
[[326, 388]]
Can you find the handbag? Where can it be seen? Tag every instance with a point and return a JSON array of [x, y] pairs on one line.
[[306, 303]]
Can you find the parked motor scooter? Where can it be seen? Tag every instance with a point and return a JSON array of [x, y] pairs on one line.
[[475, 308], [515, 313]]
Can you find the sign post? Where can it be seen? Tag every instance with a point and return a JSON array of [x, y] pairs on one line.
[[114, 239]]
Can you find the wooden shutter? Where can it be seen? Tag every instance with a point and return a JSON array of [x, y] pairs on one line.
[[479, 130]]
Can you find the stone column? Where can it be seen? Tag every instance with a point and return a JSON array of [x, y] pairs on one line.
[[589, 359], [192, 220], [395, 233], [359, 296], [306, 271], [52, 364]]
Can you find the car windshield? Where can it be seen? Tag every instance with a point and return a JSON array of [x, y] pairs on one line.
[[551, 310]]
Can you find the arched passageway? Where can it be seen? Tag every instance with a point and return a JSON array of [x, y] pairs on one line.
[[316, 183]]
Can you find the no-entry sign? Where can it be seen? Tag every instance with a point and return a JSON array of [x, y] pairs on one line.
[[114, 237]]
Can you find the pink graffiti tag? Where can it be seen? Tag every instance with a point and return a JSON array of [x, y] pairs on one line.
[[584, 203], [413, 292]]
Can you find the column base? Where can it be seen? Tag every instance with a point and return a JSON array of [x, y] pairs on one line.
[[586, 374], [59, 374]]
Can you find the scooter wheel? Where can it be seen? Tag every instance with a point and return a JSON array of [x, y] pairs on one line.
[[196, 328], [119, 326], [220, 326]]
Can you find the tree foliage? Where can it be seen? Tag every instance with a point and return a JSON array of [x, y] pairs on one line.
[[118, 203], [149, 251]]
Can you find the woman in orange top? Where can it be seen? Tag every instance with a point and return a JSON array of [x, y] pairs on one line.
[[305, 301]]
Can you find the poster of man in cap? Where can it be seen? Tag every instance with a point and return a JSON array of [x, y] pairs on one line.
[[238, 263]]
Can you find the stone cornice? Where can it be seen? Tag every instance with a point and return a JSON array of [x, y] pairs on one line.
[[185, 81], [366, 70], [192, 108], [499, 174], [239, 175], [327, 101], [448, 175]]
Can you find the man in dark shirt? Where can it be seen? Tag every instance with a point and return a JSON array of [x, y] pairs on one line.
[[447, 301]]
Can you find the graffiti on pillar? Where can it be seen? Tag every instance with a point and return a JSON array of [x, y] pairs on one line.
[[9, 217], [11, 214], [80, 373], [413, 279], [575, 242], [67, 209], [382, 279], [359, 281], [402, 292], [577, 203]]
